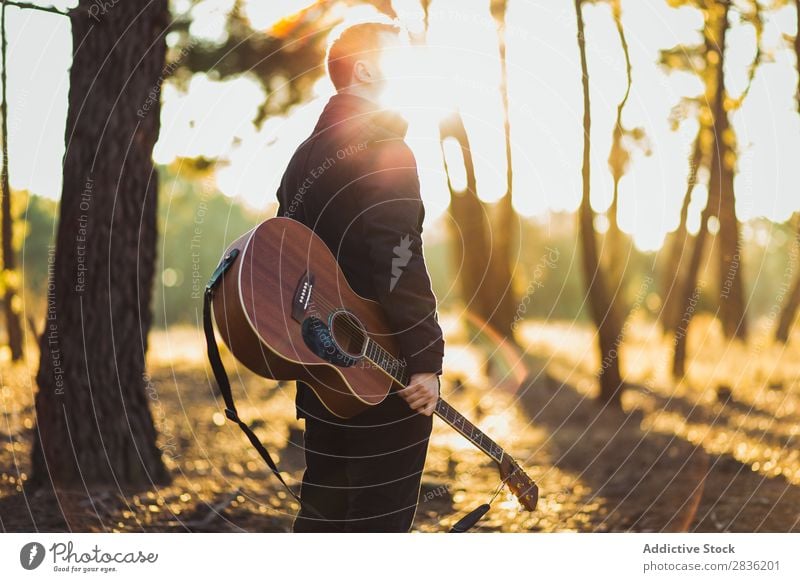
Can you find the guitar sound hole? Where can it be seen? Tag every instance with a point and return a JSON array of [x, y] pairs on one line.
[[348, 333]]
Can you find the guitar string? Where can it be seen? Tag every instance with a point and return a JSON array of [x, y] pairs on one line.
[[351, 327], [380, 352], [327, 305], [467, 428]]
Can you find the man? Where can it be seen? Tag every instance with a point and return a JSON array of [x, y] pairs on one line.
[[354, 182]]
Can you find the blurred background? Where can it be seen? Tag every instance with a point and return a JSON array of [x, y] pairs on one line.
[[612, 232]]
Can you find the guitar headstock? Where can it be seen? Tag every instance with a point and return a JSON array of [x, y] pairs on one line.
[[520, 484]]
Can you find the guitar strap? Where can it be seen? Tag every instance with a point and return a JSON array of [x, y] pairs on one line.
[[224, 384]]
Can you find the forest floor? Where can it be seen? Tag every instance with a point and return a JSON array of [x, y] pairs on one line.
[[716, 452]]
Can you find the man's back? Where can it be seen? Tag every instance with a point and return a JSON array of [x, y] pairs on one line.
[[354, 182]]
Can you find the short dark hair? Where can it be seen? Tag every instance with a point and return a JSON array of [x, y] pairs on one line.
[[358, 40]]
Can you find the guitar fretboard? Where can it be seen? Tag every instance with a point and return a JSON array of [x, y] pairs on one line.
[[395, 368]]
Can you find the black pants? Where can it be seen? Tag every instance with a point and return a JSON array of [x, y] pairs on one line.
[[362, 474]]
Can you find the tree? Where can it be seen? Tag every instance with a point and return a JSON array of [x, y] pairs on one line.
[[716, 27], [617, 245], [10, 274], [678, 246], [603, 308], [707, 59], [790, 307], [469, 222], [792, 301], [732, 301], [507, 221], [94, 424], [483, 235]]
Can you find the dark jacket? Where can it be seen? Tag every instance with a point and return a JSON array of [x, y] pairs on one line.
[[354, 182]]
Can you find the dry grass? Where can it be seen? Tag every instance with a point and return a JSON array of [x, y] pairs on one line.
[[715, 452]]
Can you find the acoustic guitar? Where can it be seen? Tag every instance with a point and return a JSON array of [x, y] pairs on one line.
[[286, 311]]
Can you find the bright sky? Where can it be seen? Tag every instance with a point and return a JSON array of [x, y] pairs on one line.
[[215, 119]]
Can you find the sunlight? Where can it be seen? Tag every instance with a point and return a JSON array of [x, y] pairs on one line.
[[646, 381], [459, 69], [264, 15]]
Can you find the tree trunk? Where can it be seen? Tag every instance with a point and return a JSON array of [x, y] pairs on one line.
[[483, 240], [732, 299], [789, 310], [797, 51], [689, 294], [792, 300], [603, 309], [690, 290], [469, 222], [94, 423], [502, 288], [677, 249], [10, 275], [617, 246]]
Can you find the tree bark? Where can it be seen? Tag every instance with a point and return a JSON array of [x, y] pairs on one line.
[[732, 299], [603, 309], [94, 423], [10, 275]]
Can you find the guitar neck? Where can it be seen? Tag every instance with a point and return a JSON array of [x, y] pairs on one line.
[[471, 432], [396, 369]]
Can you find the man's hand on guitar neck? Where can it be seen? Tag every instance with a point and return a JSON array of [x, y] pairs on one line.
[[422, 392]]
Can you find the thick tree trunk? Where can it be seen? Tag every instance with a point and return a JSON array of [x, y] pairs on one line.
[[603, 309], [94, 423], [10, 275], [674, 269], [732, 294]]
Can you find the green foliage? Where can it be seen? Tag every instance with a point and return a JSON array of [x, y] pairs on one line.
[[555, 290], [196, 223], [34, 233]]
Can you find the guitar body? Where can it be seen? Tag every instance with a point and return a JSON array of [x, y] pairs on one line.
[[253, 311], [286, 311]]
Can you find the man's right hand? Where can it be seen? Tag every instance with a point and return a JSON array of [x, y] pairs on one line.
[[422, 393]]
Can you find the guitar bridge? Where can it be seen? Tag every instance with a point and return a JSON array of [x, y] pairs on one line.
[[302, 297]]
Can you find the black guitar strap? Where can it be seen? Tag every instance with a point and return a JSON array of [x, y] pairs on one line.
[[222, 377]]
